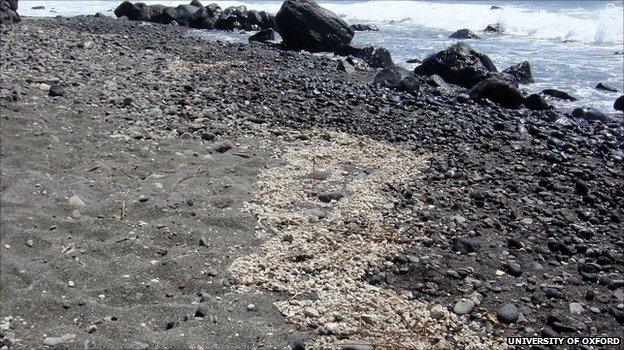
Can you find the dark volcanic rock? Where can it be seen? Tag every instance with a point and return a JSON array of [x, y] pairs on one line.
[[8, 12], [305, 25], [605, 87], [590, 114], [464, 34], [263, 36], [375, 57], [260, 19], [558, 94], [618, 105], [205, 17], [234, 17], [521, 73], [508, 313], [536, 102], [140, 11], [56, 90], [458, 64], [180, 14], [365, 27], [398, 78], [498, 91], [13, 4], [494, 28]]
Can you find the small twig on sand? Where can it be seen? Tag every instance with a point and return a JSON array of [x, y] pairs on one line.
[[125, 173], [187, 177], [123, 209]]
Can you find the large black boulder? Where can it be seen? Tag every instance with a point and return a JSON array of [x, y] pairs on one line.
[[304, 25], [233, 17], [8, 12], [605, 87], [181, 14], [458, 64], [140, 11], [520, 73], [499, 91], [205, 17], [590, 114], [398, 78], [464, 34], [261, 19], [618, 105]]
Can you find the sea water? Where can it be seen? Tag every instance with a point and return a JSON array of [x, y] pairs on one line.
[[571, 45]]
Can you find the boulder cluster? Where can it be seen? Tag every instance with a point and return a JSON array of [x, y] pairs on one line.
[[8, 12], [197, 16]]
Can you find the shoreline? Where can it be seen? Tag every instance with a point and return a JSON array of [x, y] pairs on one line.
[[487, 206]]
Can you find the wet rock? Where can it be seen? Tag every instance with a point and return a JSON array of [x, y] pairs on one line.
[[521, 73], [590, 114], [618, 105], [263, 36], [305, 25], [458, 64], [605, 87], [374, 57], [508, 313], [464, 34], [365, 27], [536, 102], [494, 28], [558, 94], [498, 91]]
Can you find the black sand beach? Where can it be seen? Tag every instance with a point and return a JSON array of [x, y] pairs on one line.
[[183, 194]]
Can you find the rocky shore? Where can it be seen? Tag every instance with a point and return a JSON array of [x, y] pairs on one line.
[[160, 191]]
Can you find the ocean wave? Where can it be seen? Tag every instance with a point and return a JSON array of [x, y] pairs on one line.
[[603, 26]]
